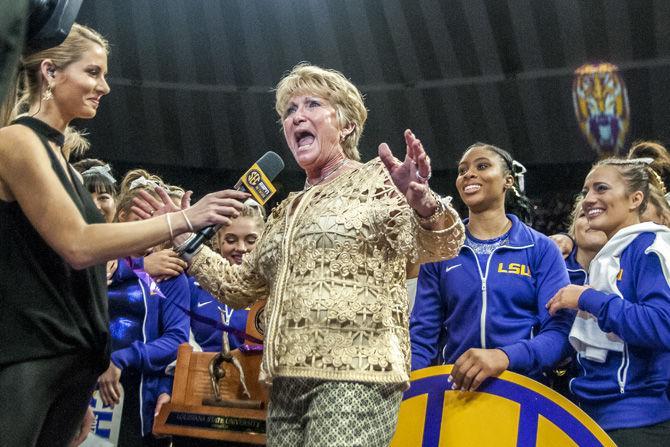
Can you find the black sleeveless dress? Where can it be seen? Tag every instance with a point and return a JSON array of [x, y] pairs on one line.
[[47, 308]]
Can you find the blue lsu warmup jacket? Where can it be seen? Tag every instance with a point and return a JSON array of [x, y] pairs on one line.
[[206, 312], [499, 304], [630, 388], [578, 275], [146, 331]]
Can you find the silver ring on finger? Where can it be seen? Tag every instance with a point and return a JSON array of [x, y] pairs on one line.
[[421, 178]]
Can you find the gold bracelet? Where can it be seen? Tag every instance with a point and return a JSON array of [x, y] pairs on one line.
[[440, 211]]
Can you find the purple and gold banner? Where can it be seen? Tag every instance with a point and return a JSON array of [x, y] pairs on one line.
[[509, 410]]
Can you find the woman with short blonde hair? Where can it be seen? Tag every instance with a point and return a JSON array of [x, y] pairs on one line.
[[332, 263]]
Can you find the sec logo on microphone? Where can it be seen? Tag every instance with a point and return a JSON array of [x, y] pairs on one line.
[[510, 410], [253, 178]]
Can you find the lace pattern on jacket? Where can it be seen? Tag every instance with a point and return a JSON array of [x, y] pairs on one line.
[[332, 262]]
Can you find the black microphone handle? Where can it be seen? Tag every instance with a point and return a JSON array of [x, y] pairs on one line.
[[206, 233], [199, 238], [270, 164]]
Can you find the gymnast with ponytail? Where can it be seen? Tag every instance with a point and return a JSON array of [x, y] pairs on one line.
[[622, 330], [488, 303], [658, 206]]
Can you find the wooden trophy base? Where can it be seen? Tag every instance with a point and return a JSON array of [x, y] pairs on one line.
[[195, 412]]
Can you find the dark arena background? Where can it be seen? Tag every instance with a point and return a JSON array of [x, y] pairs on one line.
[[191, 81]]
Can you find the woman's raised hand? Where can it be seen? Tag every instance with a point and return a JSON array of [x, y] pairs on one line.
[[217, 208], [411, 175], [145, 205]]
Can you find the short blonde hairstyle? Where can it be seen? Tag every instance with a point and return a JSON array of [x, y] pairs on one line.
[[333, 86]]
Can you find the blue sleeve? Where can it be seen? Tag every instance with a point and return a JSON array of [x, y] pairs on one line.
[[125, 266], [174, 323], [550, 345], [645, 323], [137, 263], [205, 316], [427, 317], [165, 385]]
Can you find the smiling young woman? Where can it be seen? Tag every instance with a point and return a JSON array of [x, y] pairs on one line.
[[622, 330], [491, 296], [98, 180], [239, 238], [587, 242], [610, 203]]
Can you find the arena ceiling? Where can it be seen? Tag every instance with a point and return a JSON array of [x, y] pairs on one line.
[[191, 79]]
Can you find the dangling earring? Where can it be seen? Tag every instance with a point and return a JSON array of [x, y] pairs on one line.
[[48, 94], [342, 137]]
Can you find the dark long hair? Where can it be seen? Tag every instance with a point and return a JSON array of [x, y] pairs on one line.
[[95, 181], [516, 201]]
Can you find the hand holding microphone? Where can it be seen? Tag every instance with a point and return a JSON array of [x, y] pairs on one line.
[[215, 209], [257, 181]]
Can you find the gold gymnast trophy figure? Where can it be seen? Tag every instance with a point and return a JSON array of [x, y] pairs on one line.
[[217, 395]]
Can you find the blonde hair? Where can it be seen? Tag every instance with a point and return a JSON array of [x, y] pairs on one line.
[[252, 210], [29, 81], [175, 192], [661, 205], [574, 215], [333, 86], [658, 153], [637, 175], [255, 211], [131, 185]]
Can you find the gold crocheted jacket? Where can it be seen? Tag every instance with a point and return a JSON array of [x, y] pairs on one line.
[[332, 263]]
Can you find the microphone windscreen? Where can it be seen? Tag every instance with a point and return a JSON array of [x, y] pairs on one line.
[[257, 181], [271, 164]]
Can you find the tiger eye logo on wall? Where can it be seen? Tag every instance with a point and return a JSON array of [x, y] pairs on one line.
[[259, 322], [601, 107], [509, 410]]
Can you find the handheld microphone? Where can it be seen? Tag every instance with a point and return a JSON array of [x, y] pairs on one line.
[[257, 181]]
